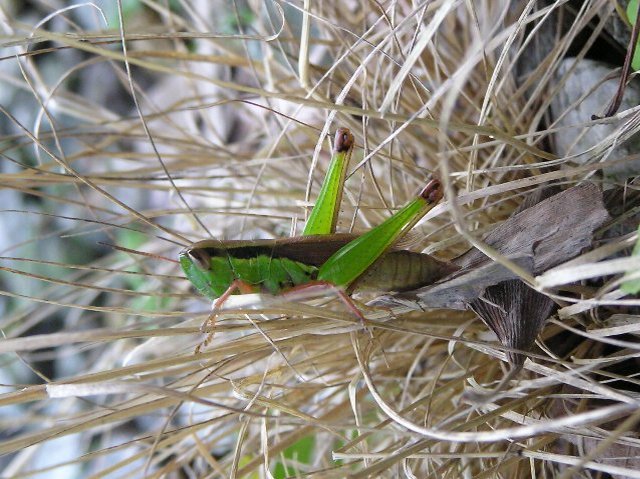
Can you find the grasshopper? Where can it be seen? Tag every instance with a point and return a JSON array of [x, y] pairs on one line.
[[342, 263]]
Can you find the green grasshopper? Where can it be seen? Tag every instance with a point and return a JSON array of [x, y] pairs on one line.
[[342, 263]]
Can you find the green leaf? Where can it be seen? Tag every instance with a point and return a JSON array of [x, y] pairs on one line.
[[300, 451], [632, 286], [244, 460], [632, 9]]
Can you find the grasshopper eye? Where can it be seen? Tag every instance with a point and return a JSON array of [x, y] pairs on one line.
[[200, 258]]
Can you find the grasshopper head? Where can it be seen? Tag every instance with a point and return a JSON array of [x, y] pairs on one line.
[[200, 269]]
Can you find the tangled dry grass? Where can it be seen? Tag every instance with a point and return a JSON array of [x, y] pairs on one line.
[[170, 122]]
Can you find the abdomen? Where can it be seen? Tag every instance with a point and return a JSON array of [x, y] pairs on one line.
[[402, 271]]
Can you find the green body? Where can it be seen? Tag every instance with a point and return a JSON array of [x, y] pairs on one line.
[[347, 261], [276, 265], [265, 273]]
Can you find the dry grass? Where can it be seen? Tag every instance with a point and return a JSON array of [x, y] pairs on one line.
[[184, 135]]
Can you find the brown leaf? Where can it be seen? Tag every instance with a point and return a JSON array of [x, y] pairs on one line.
[[516, 313], [553, 231], [542, 234]]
